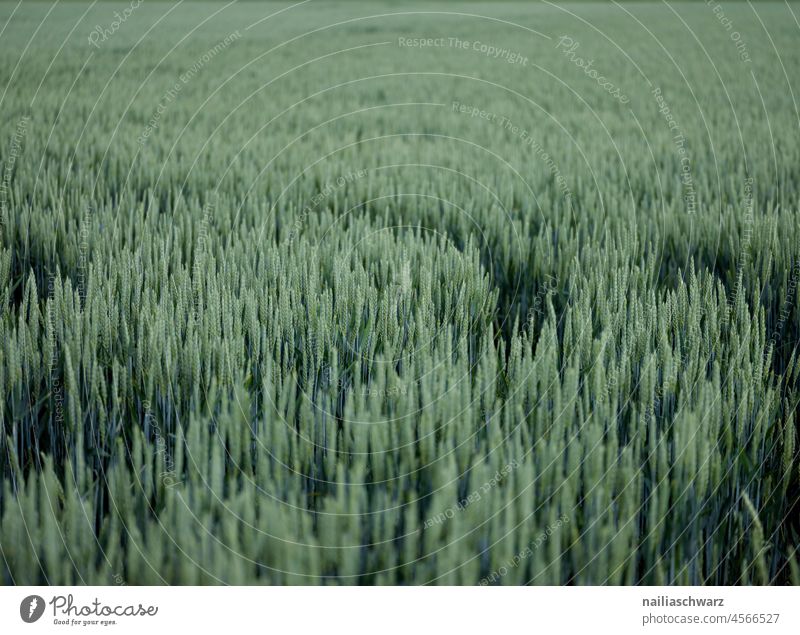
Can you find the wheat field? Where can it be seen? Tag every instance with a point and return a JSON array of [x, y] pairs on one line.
[[366, 293]]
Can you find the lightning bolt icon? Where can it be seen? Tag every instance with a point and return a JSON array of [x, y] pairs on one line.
[[32, 607]]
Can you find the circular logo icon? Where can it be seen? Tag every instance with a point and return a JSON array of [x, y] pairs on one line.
[[31, 608]]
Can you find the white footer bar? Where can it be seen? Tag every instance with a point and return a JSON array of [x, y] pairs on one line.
[[404, 611]]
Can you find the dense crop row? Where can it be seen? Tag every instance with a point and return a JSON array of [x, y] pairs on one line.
[[324, 325]]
